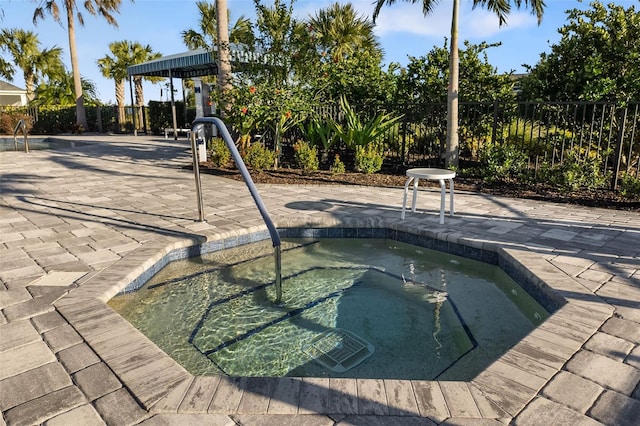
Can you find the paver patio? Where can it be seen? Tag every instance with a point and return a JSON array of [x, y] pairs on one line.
[[112, 209]]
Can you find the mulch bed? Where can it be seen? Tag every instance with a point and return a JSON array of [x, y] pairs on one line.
[[603, 198]]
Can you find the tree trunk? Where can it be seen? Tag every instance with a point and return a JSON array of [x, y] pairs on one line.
[[120, 96], [137, 81], [30, 83], [81, 117], [451, 157], [224, 62]]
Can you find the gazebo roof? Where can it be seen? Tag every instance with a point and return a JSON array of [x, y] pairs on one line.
[[194, 63]]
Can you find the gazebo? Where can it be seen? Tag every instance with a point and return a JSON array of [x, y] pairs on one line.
[[191, 64]]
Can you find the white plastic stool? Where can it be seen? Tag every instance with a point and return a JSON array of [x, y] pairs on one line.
[[430, 174]]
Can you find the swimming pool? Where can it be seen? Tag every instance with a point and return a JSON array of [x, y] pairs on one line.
[[363, 308]]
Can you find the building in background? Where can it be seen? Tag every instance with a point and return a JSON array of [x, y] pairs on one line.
[[11, 95]]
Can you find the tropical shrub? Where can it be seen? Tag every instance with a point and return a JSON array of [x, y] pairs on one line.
[[53, 119], [258, 157], [320, 133], [502, 163], [394, 136], [337, 168], [369, 158], [356, 132], [9, 120], [630, 186], [306, 156], [220, 154], [160, 116], [537, 138], [574, 173]]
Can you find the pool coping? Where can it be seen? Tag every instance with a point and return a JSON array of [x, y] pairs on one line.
[[500, 391]]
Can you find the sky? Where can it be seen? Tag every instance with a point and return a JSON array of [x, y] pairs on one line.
[[402, 30]]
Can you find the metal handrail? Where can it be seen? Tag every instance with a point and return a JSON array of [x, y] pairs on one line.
[[23, 124], [273, 232]]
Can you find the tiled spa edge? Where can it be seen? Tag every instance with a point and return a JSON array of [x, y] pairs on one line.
[[159, 384]]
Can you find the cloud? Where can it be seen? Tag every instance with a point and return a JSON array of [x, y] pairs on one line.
[[408, 18], [473, 23], [481, 23]]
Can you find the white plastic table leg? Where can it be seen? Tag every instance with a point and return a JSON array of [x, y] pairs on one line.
[[451, 196], [404, 200], [415, 194], [443, 194]]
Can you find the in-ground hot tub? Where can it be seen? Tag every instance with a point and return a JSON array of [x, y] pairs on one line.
[[374, 308]]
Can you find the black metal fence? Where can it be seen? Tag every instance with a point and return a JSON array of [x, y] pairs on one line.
[[51, 120], [546, 131]]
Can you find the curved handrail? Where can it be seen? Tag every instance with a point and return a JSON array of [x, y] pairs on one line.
[[23, 124], [273, 232]]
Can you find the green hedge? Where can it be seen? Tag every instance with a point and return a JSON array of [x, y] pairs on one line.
[[160, 116]]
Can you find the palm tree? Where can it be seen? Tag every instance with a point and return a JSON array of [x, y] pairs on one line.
[[277, 30], [6, 69], [501, 8], [224, 60], [59, 91], [24, 48], [127, 53], [139, 54], [339, 32], [206, 35], [104, 8], [115, 67]]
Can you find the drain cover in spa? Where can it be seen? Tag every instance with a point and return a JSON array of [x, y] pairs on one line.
[[339, 350]]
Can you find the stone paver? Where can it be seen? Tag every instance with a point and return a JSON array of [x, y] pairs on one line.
[[459, 399], [62, 338], [24, 358], [314, 395], [32, 307], [47, 406], [256, 397], [191, 419], [119, 408], [16, 334], [624, 329], [285, 397], [199, 395], [77, 357], [542, 411], [605, 371], [32, 384], [431, 401], [13, 295], [633, 358], [48, 321], [96, 380], [343, 396], [84, 415], [572, 391], [613, 408], [609, 346], [125, 202]]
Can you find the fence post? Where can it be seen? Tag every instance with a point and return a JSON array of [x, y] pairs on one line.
[[99, 118], [494, 130], [144, 119], [618, 154], [404, 141]]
